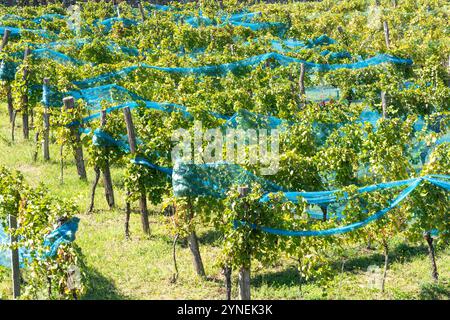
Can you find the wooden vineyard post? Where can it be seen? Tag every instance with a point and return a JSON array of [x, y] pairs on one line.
[[384, 104], [343, 35], [107, 181], [69, 104], [5, 39], [94, 186], [244, 271], [141, 10], [8, 85], [227, 270], [386, 34], [193, 244], [25, 113], [45, 143], [143, 195], [106, 177], [301, 83], [429, 239], [291, 80], [448, 71], [13, 124], [15, 268], [388, 43], [9, 101], [118, 10]]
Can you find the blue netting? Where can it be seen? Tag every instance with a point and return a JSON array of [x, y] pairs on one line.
[[327, 197], [108, 23], [145, 162], [48, 17], [223, 69], [244, 119], [5, 259], [13, 17], [79, 43], [242, 17], [15, 32], [160, 7], [213, 180], [38, 20], [288, 45], [322, 93], [239, 20], [411, 185], [7, 70], [63, 234], [113, 93], [280, 27], [336, 55], [101, 138], [55, 56]]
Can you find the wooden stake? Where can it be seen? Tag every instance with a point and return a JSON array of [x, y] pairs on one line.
[[118, 12], [448, 69], [227, 274], [141, 10], [195, 250], [194, 245], [143, 196], [244, 271], [9, 101], [25, 111], [8, 85], [61, 163], [431, 254], [5, 39], [386, 34], [46, 143], [384, 104], [69, 104], [386, 262], [13, 125], [15, 268], [94, 186], [127, 217], [107, 180], [36, 144], [301, 82], [130, 129]]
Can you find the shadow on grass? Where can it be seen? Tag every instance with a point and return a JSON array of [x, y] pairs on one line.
[[401, 253], [288, 277], [210, 237], [98, 287], [435, 291]]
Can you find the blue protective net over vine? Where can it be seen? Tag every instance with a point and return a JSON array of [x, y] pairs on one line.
[[63, 234]]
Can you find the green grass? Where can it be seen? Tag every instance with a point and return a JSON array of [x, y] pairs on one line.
[[142, 267]]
